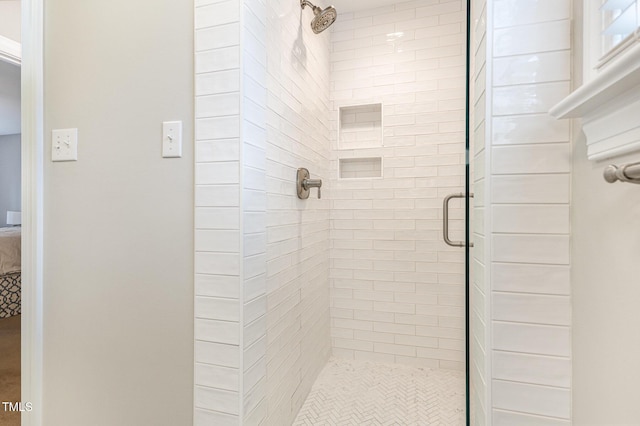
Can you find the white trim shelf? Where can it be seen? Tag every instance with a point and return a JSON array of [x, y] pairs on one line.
[[609, 107]]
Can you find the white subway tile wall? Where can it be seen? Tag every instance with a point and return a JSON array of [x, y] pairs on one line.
[[297, 117], [528, 163], [480, 343], [218, 279], [397, 291], [265, 261], [230, 305], [262, 255], [254, 212]]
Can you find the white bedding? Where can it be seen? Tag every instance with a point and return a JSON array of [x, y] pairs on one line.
[[10, 250]]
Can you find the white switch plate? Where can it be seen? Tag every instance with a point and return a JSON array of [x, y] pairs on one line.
[[64, 145], [172, 139]]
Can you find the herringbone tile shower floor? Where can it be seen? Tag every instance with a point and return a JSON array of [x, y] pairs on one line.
[[363, 393]]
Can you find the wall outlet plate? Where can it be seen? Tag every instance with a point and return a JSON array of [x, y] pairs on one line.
[[172, 139], [64, 145]]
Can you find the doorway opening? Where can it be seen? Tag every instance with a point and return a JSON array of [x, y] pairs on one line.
[[10, 212]]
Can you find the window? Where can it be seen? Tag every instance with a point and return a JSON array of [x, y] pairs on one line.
[[620, 20], [611, 28], [608, 102]]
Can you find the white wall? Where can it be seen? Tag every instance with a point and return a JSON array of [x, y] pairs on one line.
[[605, 294], [604, 278], [10, 19], [526, 218], [118, 262], [9, 175], [397, 290], [298, 343]]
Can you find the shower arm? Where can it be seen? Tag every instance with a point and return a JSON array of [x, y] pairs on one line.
[[304, 3]]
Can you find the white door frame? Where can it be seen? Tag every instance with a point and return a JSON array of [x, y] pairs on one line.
[[32, 208]]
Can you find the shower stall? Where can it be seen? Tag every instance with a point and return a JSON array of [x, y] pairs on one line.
[[326, 146]]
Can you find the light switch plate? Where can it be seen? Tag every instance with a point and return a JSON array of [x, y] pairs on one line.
[[172, 139], [64, 145]]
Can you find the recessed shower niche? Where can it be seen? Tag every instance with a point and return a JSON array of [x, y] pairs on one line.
[[360, 126], [359, 168]]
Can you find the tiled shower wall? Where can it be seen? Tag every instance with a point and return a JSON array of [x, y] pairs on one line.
[[521, 229], [230, 210], [397, 291], [218, 297], [479, 313], [253, 212], [298, 342], [262, 255], [530, 185]]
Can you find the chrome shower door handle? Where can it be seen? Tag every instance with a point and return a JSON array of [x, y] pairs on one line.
[[445, 220]]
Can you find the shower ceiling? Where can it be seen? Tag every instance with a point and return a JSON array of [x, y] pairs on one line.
[[345, 6]]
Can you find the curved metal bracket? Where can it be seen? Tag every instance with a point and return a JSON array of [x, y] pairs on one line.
[[445, 220]]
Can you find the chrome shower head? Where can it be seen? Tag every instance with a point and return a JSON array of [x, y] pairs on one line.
[[323, 19]]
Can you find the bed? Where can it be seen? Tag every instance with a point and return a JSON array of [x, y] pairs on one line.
[[10, 276]]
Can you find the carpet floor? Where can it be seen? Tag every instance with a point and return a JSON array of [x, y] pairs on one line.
[[9, 368]]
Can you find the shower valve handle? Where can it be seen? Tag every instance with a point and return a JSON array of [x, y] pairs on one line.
[[304, 184], [313, 183]]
